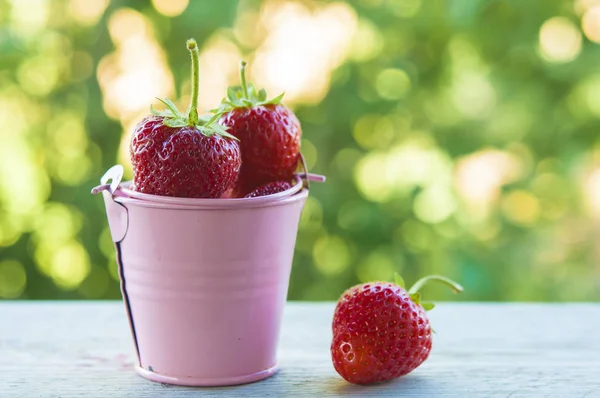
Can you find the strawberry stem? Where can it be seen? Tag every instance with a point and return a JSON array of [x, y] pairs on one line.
[[193, 111], [243, 65], [448, 282]]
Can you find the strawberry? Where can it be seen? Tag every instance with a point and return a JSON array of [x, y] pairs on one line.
[[183, 155], [270, 189], [381, 331], [269, 134]]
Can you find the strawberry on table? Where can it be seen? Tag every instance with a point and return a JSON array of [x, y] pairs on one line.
[[176, 154], [270, 189], [269, 134], [381, 331]]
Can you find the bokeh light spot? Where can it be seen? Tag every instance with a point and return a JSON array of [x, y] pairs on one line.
[[415, 235], [10, 230], [370, 180], [473, 95], [480, 175], [559, 40], [484, 230], [392, 84], [310, 153], [302, 47], [125, 23], [247, 29], [43, 257], [379, 176], [592, 193], [68, 134], [57, 224], [554, 193], [435, 204], [377, 266], [521, 207], [38, 76], [24, 185], [29, 16], [73, 169], [87, 12], [70, 265], [312, 215], [588, 94], [124, 78], [404, 8], [373, 131], [13, 279], [170, 8], [367, 42], [590, 24], [581, 6], [331, 255]]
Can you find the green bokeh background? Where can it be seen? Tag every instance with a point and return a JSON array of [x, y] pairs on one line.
[[458, 137]]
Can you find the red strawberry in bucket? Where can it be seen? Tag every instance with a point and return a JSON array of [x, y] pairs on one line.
[[381, 331], [269, 134], [181, 155], [270, 189]]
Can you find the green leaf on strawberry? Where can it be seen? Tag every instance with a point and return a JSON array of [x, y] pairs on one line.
[[438, 278], [246, 95], [172, 117], [399, 280], [415, 296]]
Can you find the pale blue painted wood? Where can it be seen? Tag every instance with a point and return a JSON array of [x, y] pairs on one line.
[[83, 349]]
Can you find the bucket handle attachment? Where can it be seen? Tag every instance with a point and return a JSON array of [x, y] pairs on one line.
[[306, 176], [118, 220]]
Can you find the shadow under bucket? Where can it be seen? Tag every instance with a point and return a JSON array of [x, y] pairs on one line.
[[204, 281]]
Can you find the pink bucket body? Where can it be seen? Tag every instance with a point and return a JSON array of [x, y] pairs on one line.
[[205, 286]]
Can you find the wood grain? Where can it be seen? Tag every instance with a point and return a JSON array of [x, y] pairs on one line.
[[76, 349]]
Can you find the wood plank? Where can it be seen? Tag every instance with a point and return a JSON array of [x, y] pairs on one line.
[[83, 349]]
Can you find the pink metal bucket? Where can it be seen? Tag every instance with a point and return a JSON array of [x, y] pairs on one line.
[[204, 281]]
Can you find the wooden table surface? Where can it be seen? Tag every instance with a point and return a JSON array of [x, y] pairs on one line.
[[68, 349]]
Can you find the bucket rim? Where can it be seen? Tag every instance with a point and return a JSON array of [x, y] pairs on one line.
[[125, 188], [215, 204]]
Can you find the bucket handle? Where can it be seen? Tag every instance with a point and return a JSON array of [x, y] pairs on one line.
[[118, 222], [306, 176], [118, 219], [115, 176]]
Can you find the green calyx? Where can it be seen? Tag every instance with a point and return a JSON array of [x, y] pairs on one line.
[[172, 117], [414, 294], [246, 95]]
